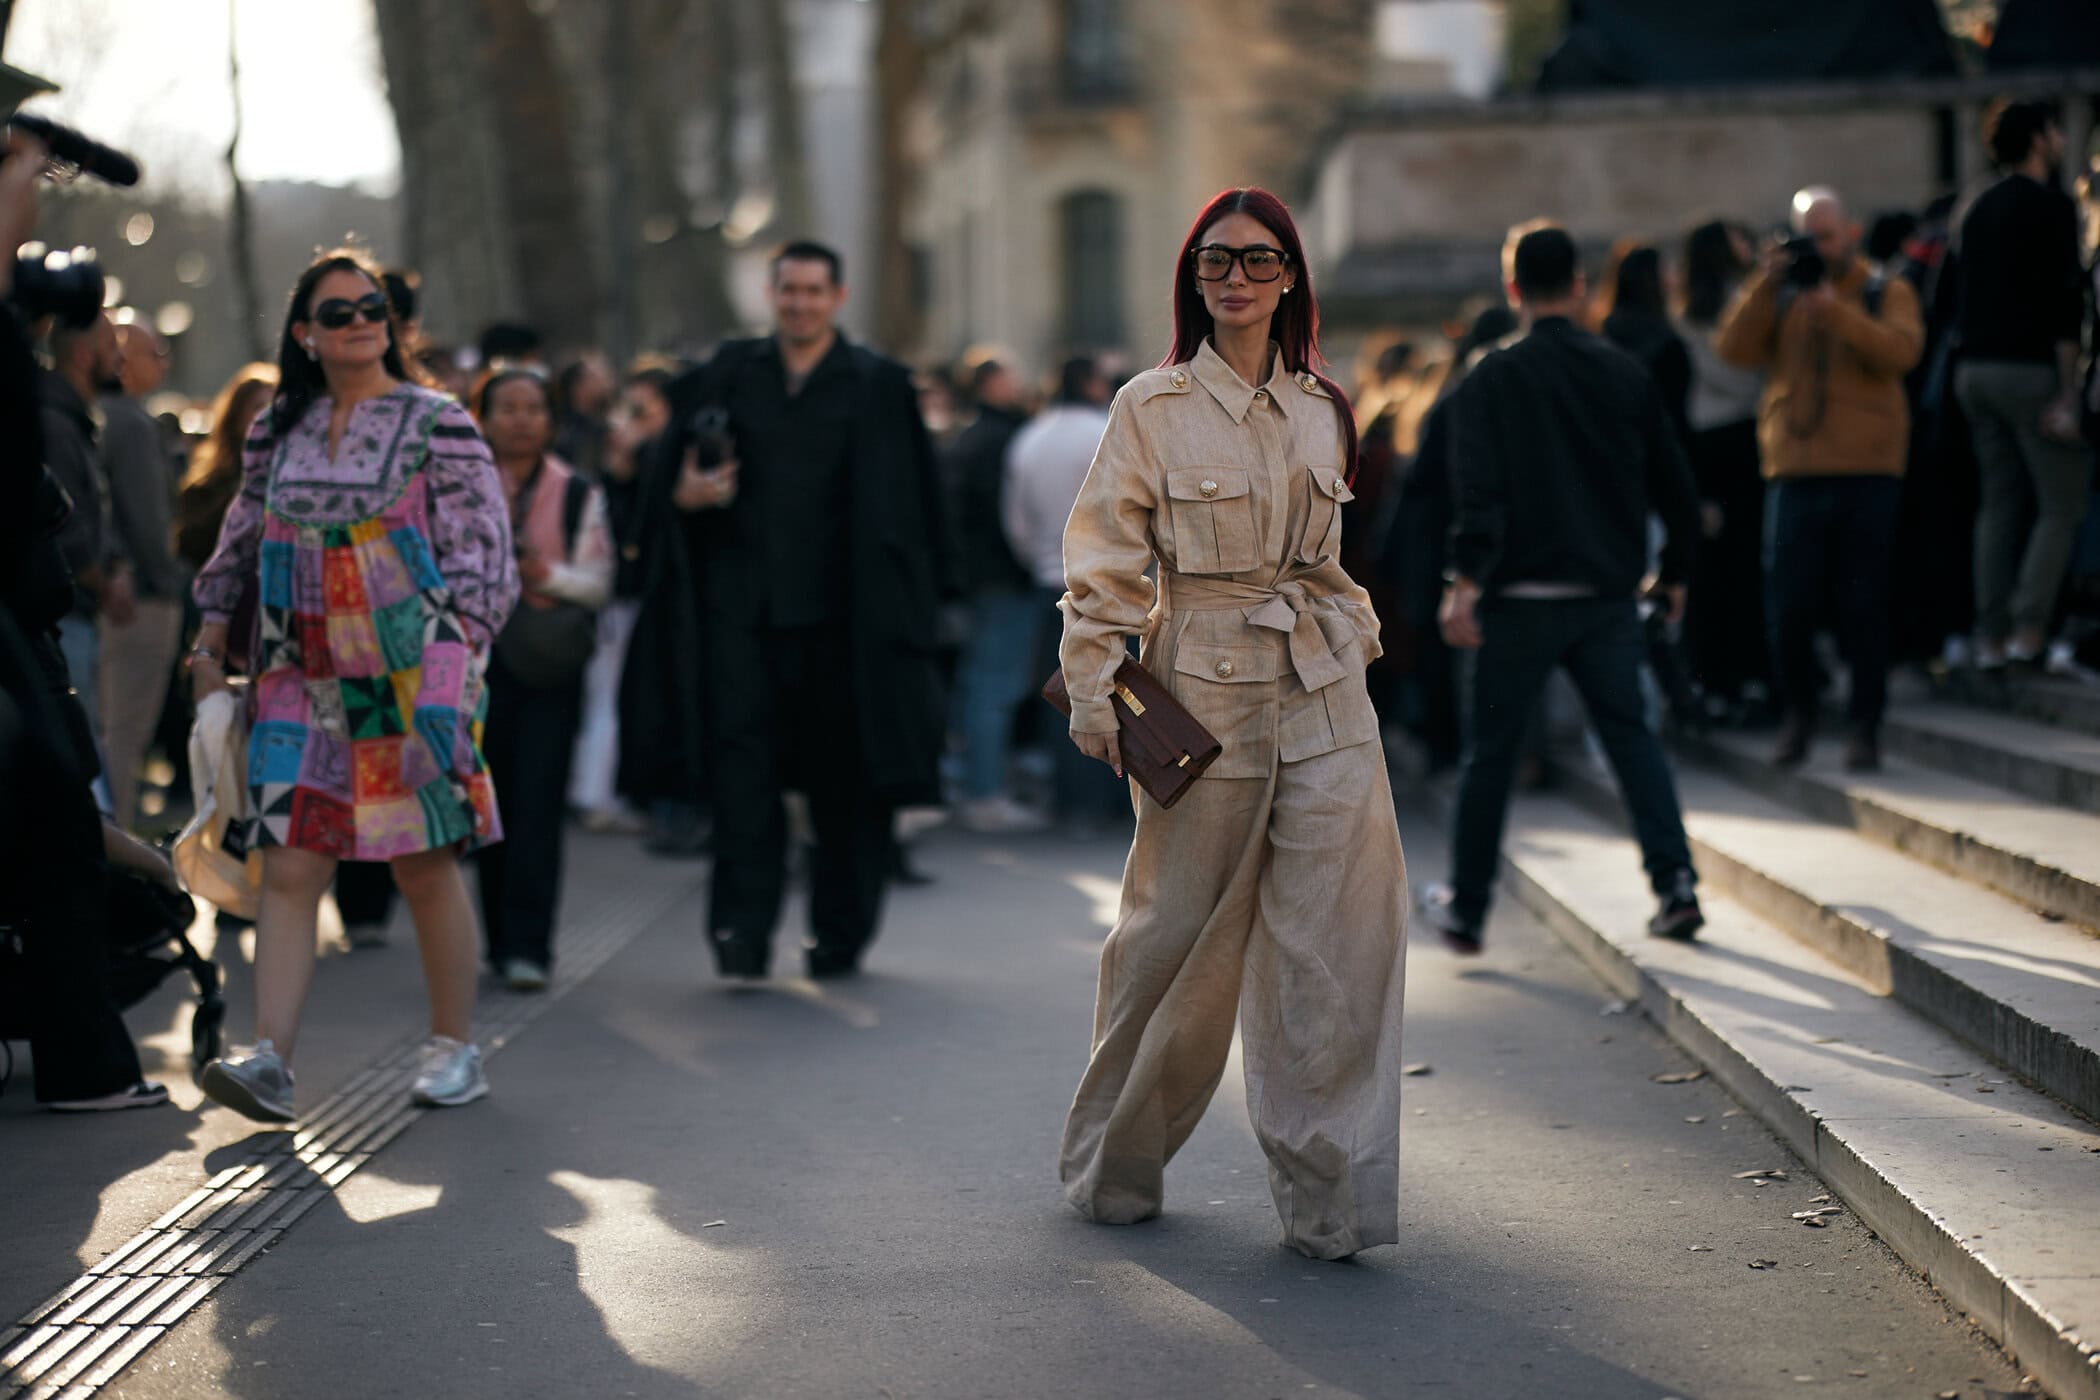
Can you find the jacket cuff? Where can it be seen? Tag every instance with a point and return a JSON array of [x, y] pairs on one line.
[[1094, 717]]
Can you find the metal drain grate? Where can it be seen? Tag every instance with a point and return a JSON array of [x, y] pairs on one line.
[[86, 1334]]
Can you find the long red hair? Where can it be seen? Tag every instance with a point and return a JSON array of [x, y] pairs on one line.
[[1296, 325]]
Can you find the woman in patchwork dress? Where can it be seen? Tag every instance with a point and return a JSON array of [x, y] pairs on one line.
[[372, 535]]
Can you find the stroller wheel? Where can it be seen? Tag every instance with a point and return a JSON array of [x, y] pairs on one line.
[[205, 1024]]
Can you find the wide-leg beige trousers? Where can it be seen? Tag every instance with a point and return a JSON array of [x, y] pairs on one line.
[[1283, 900]]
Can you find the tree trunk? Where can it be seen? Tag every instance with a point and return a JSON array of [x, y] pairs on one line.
[[794, 205], [900, 66], [547, 228], [255, 336]]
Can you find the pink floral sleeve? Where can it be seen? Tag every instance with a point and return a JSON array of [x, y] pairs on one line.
[[470, 526], [233, 561]]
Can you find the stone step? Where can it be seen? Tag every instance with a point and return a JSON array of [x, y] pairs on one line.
[[2027, 757], [2018, 987], [1988, 1188], [2043, 856], [2051, 700]]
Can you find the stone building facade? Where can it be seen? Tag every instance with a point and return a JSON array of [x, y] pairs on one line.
[[1064, 145]]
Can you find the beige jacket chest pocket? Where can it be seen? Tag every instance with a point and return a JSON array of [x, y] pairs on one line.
[[1323, 523], [1211, 510]]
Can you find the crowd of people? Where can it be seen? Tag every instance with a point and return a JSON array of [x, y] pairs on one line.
[[481, 593], [1891, 427]]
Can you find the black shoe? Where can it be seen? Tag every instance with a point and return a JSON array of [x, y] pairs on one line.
[[1863, 750], [830, 964], [144, 1094], [738, 960], [1460, 935], [1680, 917], [1795, 741]]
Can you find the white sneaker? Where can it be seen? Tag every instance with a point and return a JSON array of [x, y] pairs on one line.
[[365, 935], [1001, 816], [524, 975], [451, 1074], [1956, 654], [254, 1083], [613, 821]]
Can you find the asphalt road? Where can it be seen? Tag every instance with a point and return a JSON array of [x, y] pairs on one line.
[[677, 1191]]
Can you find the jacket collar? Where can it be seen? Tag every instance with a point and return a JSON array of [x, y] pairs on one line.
[[1233, 393]]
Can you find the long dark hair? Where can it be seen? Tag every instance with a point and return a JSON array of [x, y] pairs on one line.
[[1636, 281], [1711, 271], [1296, 325], [299, 377]]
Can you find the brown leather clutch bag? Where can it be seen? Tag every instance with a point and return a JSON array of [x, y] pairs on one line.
[[1164, 746]]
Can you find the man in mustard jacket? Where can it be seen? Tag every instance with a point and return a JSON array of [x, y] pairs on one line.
[[1834, 337]]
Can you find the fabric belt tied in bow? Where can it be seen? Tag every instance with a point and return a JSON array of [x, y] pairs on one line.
[[1286, 608]]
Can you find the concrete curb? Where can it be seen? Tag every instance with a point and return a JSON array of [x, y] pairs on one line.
[[1935, 988], [2045, 764], [1932, 1220], [1970, 854], [2049, 1340], [2066, 704]]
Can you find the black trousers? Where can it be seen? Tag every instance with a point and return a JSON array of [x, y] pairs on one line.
[[529, 742], [58, 895], [1828, 547], [364, 890], [783, 717], [1726, 624], [1600, 643]]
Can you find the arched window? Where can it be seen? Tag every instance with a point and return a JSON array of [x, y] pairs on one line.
[[1090, 224]]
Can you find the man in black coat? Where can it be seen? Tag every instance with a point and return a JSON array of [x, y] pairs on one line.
[[806, 488]]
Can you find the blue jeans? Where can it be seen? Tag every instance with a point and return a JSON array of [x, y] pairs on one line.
[[1600, 643], [81, 641], [997, 674], [1829, 545]]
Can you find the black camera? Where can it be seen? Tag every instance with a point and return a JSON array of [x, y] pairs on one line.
[[708, 431], [67, 285], [1804, 263]]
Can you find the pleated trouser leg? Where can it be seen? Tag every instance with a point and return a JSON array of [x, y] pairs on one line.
[[1292, 886]]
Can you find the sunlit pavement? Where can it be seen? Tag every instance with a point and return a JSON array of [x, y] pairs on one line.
[[849, 1190]]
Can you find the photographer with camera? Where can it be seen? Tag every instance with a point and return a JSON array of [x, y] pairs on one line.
[[803, 477], [1834, 337], [54, 912]]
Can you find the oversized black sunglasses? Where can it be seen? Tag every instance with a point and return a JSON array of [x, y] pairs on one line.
[[1260, 262], [336, 313]]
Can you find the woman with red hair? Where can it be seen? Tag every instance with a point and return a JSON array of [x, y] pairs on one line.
[[1275, 889]]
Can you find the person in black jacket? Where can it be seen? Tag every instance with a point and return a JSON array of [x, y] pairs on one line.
[[1561, 448], [817, 556], [53, 874]]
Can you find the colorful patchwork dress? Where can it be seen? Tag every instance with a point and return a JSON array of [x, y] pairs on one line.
[[381, 575]]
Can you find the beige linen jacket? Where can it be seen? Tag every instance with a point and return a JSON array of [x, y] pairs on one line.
[[1236, 493]]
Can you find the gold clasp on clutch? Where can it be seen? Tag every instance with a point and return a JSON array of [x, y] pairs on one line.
[[1184, 762], [1137, 706]]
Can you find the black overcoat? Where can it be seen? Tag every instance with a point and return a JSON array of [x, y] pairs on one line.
[[898, 572]]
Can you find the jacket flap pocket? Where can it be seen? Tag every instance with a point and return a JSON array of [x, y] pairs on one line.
[[1206, 483], [1330, 483], [1230, 664]]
